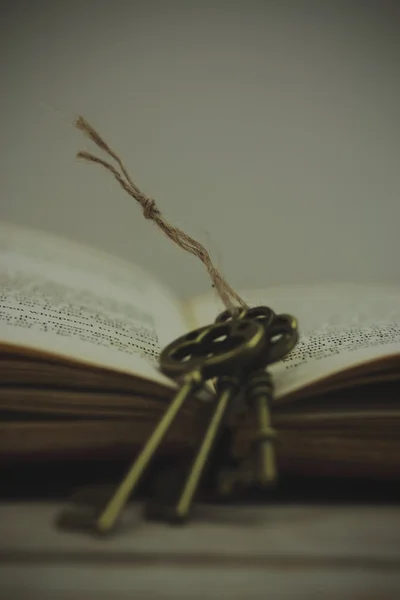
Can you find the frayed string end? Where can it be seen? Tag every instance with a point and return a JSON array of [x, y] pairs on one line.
[[227, 294]]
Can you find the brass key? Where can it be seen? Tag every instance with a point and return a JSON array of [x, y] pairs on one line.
[[282, 336], [203, 354]]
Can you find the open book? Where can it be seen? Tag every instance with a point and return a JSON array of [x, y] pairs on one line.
[[81, 331]]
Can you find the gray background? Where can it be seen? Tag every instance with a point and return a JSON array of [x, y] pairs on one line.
[[268, 130]]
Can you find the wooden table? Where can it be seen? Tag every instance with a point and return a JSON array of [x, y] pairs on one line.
[[249, 552]]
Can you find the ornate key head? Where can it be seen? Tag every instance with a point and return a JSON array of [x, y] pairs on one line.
[[281, 330], [283, 335], [263, 314], [215, 350]]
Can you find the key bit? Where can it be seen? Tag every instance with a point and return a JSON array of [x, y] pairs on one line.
[[233, 481]]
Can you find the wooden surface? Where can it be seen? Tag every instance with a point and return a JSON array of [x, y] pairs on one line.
[[301, 552]]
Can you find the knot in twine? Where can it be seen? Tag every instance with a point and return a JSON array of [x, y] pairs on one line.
[[229, 297], [150, 208]]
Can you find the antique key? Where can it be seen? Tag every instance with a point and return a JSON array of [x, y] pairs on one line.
[[213, 351], [281, 337]]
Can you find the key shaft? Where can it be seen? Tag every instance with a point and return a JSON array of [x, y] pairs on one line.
[[259, 397], [179, 512], [197, 468], [113, 508]]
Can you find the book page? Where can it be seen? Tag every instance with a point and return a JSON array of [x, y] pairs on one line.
[[62, 298], [342, 326]]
